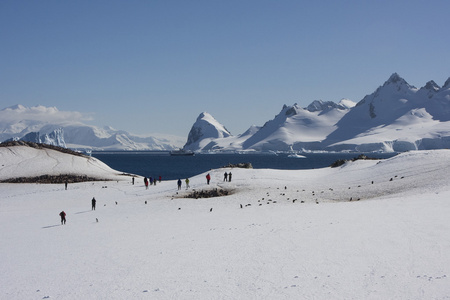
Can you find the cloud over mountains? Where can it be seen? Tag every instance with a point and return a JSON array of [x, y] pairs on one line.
[[41, 114]]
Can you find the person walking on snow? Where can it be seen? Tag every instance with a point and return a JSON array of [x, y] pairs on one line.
[[63, 217], [208, 178], [187, 183], [225, 176], [229, 176], [179, 184], [93, 203]]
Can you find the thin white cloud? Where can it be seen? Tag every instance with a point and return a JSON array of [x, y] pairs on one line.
[[42, 114]]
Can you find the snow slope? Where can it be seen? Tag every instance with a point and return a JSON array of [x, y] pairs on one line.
[[23, 161], [391, 244]]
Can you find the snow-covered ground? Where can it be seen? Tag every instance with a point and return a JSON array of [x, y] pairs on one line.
[[22, 161], [391, 244]]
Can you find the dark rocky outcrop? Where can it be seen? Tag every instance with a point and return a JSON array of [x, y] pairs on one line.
[[52, 179], [340, 162], [208, 193], [239, 165]]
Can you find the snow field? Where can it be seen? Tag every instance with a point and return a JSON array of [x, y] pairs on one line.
[[392, 244]]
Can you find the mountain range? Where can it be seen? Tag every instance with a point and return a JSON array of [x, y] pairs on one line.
[[39, 124], [396, 117]]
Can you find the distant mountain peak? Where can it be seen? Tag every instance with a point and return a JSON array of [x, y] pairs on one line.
[[447, 84], [204, 115], [206, 127], [432, 86], [347, 103], [319, 105], [15, 107], [291, 110], [397, 80]]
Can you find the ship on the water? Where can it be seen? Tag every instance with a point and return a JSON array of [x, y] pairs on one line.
[[181, 152]]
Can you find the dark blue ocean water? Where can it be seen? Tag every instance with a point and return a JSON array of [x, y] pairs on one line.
[[155, 164]]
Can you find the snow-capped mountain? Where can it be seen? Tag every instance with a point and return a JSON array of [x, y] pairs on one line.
[[295, 127], [310, 125], [108, 138], [204, 132], [51, 126], [396, 117]]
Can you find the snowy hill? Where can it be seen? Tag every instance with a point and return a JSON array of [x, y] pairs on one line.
[[27, 161], [366, 230], [396, 117], [65, 129]]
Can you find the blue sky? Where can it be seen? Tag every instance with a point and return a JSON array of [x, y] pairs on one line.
[[153, 66]]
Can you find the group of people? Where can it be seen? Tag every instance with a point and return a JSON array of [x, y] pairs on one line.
[[150, 181], [147, 181], [227, 176], [179, 183]]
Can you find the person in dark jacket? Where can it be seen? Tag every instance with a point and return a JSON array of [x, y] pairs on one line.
[[63, 217], [179, 184], [93, 203]]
